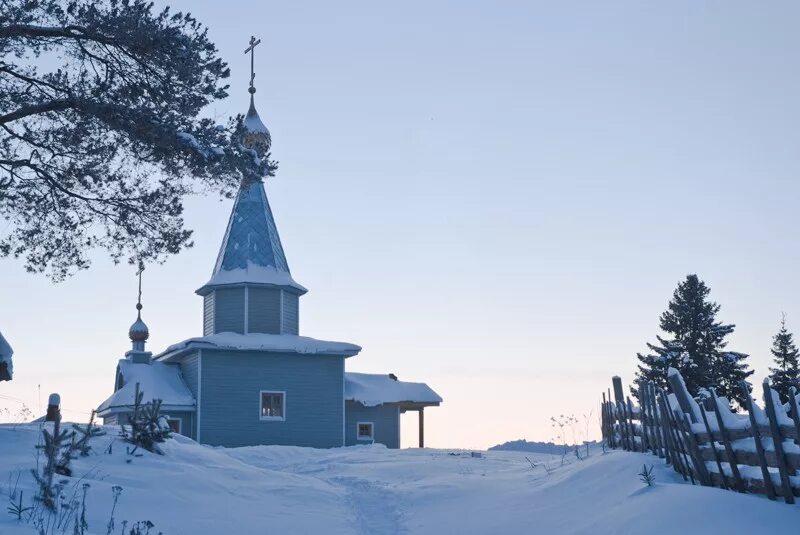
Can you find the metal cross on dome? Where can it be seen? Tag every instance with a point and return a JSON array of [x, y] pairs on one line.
[[252, 49], [139, 274]]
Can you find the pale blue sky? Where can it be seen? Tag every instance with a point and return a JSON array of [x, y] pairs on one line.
[[495, 198]]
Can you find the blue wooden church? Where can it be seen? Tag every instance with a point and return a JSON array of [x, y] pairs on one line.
[[251, 378]]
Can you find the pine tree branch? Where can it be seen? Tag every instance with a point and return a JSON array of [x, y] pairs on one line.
[[35, 109]]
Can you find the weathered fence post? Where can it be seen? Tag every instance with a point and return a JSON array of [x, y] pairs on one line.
[[632, 426], [623, 426], [613, 428], [697, 457], [619, 396], [713, 449], [651, 420], [726, 441], [675, 450], [777, 441], [604, 420], [793, 411], [655, 431], [660, 428], [612, 443], [762, 460], [644, 421], [679, 389]]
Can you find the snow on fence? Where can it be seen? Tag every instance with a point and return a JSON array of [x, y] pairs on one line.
[[756, 451]]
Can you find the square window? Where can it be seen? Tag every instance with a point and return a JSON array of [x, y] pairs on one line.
[[365, 431], [273, 405], [174, 424]]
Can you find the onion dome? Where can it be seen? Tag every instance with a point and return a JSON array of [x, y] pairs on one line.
[[139, 331], [256, 135]]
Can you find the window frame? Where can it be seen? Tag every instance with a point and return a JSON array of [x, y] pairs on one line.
[[175, 419], [370, 438], [261, 393]]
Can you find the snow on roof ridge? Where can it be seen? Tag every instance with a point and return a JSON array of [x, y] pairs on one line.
[[376, 389], [156, 380], [256, 274], [266, 342]]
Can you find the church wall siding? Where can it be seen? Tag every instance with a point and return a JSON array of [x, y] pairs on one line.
[[208, 314], [111, 419], [189, 370], [229, 310], [231, 384], [290, 317], [385, 419], [264, 310]]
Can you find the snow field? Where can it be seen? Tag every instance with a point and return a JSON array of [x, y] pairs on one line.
[[201, 490]]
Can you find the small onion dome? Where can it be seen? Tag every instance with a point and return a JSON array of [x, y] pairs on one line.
[[139, 331], [256, 135]]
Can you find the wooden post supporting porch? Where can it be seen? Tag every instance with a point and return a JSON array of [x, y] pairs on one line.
[[421, 413]]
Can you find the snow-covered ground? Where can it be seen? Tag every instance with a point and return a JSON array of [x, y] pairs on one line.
[[200, 490]]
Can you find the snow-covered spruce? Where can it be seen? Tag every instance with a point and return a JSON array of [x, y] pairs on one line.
[[695, 344]]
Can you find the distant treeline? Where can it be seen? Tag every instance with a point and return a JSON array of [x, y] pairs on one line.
[[548, 448]]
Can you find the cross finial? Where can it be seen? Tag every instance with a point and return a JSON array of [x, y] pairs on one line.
[[252, 50], [139, 300]]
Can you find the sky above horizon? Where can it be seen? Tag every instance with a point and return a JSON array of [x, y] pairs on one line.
[[495, 198]]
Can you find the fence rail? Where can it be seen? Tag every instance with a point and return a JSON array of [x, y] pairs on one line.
[[756, 451]]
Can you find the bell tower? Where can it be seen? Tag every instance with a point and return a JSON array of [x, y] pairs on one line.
[[251, 289]]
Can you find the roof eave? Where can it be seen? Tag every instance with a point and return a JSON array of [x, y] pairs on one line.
[[116, 409], [293, 288], [404, 405], [170, 356]]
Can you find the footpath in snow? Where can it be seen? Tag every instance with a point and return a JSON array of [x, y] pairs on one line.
[[200, 490]]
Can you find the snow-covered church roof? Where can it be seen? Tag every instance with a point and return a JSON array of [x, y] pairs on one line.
[[156, 380], [251, 250], [6, 364], [376, 389], [277, 343]]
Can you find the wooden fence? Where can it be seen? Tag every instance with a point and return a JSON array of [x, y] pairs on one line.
[[755, 451]]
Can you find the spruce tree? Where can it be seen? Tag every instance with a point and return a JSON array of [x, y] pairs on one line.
[[694, 345], [787, 368], [728, 370]]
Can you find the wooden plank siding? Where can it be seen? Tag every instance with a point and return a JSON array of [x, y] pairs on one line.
[[290, 319], [208, 314], [385, 419], [231, 382], [264, 310], [229, 310], [190, 370], [111, 419]]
